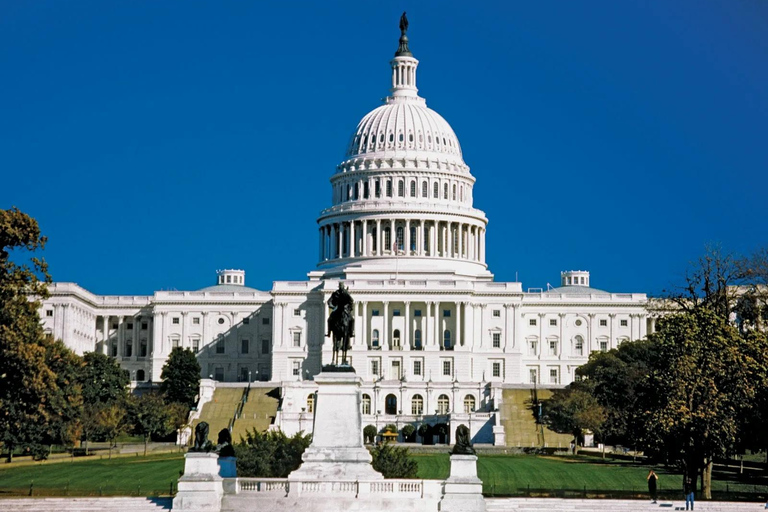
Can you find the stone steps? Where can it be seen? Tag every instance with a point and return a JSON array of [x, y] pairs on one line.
[[116, 504], [597, 505]]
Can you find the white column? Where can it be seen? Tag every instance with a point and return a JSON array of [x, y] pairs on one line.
[[561, 320], [482, 245], [120, 337], [365, 238], [518, 321], [407, 237], [105, 335], [509, 325], [184, 329], [378, 237], [613, 329], [458, 339], [352, 240], [384, 341], [321, 244], [334, 245], [407, 330], [433, 233], [469, 324], [362, 333]]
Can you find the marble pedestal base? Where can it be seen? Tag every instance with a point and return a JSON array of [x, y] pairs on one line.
[[463, 491], [201, 487]]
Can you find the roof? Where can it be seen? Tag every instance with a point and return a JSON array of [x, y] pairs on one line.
[[227, 288], [575, 290]]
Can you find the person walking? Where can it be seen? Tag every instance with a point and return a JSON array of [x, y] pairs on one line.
[[688, 489], [652, 478]]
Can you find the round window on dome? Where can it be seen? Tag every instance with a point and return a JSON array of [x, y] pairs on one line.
[[381, 138], [410, 137], [578, 323], [400, 139], [221, 320], [391, 137]]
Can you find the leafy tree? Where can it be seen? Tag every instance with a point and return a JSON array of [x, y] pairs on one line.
[[408, 432], [102, 379], [393, 461], [270, 454], [181, 377], [112, 423], [573, 411], [178, 416], [27, 383], [66, 399], [148, 415], [369, 434], [425, 431]]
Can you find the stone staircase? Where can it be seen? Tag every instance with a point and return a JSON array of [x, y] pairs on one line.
[[220, 410], [85, 504], [258, 413], [577, 505], [520, 426]]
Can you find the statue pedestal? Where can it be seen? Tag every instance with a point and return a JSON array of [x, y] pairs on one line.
[[337, 451], [201, 487], [463, 491]]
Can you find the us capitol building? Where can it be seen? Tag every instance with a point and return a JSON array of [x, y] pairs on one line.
[[433, 331]]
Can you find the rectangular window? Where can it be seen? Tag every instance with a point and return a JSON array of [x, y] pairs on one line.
[[176, 320], [446, 313], [265, 321], [175, 343], [496, 369], [553, 322], [533, 376], [296, 368], [532, 322], [374, 312], [374, 368], [389, 188], [396, 370], [417, 313], [553, 347], [297, 312], [496, 339], [129, 327], [377, 187], [297, 338], [144, 326], [196, 320], [265, 346], [446, 368], [603, 323], [579, 347], [195, 345], [395, 312], [417, 367], [624, 323], [496, 313], [534, 345], [115, 325], [220, 347], [553, 376], [49, 312], [244, 346], [365, 190], [246, 321], [603, 346]]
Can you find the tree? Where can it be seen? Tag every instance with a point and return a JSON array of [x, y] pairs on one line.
[[112, 423], [102, 379], [573, 411], [270, 454], [702, 382], [181, 377], [408, 432], [66, 399], [369, 434], [27, 383], [148, 415], [178, 416], [393, 461]]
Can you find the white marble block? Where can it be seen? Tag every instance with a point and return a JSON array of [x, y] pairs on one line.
[[337, 450], [463, 491], [201, 487]]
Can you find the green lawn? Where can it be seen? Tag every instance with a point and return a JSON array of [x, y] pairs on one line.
[[519, 475], [144, 476]]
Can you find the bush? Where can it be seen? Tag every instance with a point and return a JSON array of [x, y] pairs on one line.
[[425, 432], [394, 462], [271, 454], [408, 433], [391, 428], [369, 434]]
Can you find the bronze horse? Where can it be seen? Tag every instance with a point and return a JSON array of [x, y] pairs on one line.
[[341, 322]]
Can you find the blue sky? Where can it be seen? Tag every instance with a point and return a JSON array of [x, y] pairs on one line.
[[158, 141]]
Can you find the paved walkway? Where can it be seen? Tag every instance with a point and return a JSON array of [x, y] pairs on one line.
[[573, 505]]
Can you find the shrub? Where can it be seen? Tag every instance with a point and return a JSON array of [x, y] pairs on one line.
[[408, 432], [369, 434], [425, 432], [391, 428], [394, 462], [271, 454]]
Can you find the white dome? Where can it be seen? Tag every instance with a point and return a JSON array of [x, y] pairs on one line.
[[403, 125]]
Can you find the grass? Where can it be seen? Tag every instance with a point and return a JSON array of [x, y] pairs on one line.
[[516, 475], [139, 476]]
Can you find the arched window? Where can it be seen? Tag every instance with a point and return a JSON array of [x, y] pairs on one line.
[[578, 346], [447, 339], [435, 190], [426, 238], [445, 191], [443, 404], [399, 240], [417, 339], [396, 338], [456, 241], [410, 137], [454, 191], [413, 188], [374, 240], [366, 404], [375, 338], [413, 239], [357, 191], [391, 137], [400, 138], [390, 404], [424, 189], [311, 403], [387, 239], [461, 193], [469, 404], [401, 188], [128, 348], [143, 348], [417, 405], [389, 188], [140, 375], [381, 137]]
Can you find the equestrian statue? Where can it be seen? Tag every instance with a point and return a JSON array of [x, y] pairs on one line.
[[341, 323]]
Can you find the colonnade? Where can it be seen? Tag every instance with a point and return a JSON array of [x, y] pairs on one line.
[[128, 339], [402, 237]]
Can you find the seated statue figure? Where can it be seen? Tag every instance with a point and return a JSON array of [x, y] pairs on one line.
[[224, 443], [463, 445], [201, 437]]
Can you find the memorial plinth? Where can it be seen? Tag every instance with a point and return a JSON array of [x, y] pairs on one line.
[[337, 451], [463, 491], [201, 487]]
